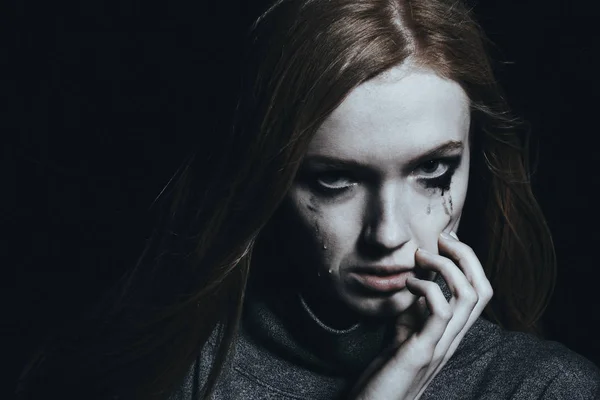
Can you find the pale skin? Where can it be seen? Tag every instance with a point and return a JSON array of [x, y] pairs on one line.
[[371, 192]]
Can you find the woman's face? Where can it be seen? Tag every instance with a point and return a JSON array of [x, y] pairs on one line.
[[385, 174]]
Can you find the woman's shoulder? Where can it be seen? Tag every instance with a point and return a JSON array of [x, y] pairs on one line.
[[564, 373], [518, 365]]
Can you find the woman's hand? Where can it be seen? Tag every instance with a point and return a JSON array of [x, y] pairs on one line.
[[429, 332]]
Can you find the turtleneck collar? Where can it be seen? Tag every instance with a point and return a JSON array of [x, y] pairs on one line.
[[285, 324]]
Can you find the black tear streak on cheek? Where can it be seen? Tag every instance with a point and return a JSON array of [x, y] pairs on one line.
[[446, 210], [318, 236], [316, 217], [311, 205], [442, 183], [445, 186]]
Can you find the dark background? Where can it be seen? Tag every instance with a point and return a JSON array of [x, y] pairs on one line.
[[109, 97]]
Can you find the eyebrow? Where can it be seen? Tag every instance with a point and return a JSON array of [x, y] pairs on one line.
[[440, 151], [437, 152]]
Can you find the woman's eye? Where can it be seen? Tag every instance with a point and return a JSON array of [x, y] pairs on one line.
[[334, 181], [433, 168], [438, 173]]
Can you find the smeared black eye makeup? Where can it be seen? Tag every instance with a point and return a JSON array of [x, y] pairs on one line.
[[334, 178], [437, 173]]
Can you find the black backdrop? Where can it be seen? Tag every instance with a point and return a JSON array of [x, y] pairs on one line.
[[109, 96]]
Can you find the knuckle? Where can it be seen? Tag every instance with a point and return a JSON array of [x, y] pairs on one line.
[[487, 293], [422, 361], [469, 251], [466, 253], [445, 313], [460, 258], [438, 358], [470, 296]]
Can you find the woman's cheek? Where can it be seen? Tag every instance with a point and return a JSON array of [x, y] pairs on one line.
[[456, 197], [443, 210], [338, 230], [328, 243], [313, 243], [297, 228]]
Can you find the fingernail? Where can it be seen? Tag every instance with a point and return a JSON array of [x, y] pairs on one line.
[[446, 236], [453, 234]]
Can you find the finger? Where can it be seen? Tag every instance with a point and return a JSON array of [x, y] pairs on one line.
[[459, 285], [470, 265], [411, 320], [466, 259], [441, 312], [463, 301]]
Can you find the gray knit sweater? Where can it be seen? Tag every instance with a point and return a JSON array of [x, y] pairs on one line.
[[282, 352]]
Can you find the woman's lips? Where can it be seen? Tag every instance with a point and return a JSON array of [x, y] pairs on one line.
[[382, 280]]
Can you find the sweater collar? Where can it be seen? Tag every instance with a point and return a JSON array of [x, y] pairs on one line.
[[284, 323]]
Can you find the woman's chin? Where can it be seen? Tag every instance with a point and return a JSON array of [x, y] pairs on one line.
[[380, 306]]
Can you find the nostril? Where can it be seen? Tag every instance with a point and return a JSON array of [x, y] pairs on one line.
[[376, 244]]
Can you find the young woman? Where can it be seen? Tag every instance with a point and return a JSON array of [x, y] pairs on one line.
[[320, 258]]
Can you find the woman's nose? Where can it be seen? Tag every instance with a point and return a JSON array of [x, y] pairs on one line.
[[387, 223]]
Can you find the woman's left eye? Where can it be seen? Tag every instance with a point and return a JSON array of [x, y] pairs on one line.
[[433, 168]]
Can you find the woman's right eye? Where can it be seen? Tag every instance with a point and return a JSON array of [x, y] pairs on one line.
[[334, 181]]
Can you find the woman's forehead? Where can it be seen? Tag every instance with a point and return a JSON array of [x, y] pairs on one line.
[[407, 111]]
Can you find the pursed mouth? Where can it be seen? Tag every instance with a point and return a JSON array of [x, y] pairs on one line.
[[380, 270], [381, 281]]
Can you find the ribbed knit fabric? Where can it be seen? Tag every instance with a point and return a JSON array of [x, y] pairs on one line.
[[282, 352]]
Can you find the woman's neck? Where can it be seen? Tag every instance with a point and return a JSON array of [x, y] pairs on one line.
[[304, 323], [326, 309]]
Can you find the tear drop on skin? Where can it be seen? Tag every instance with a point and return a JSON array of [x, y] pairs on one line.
[[428, 209], [324, 247]]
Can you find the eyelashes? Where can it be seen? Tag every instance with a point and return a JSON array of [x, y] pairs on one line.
[[334, 181], [441, 180], [436, 173]]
